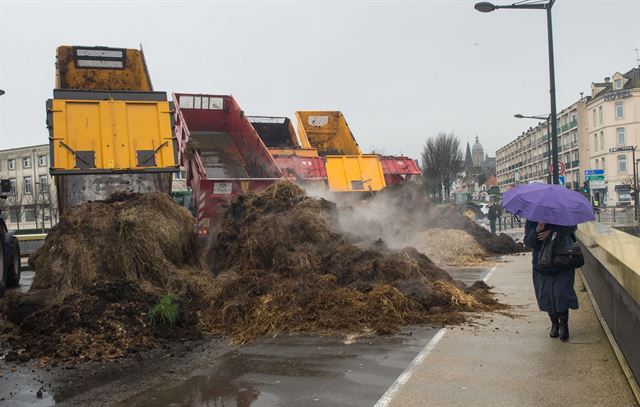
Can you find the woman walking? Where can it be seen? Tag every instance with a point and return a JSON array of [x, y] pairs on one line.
[[553, 287]]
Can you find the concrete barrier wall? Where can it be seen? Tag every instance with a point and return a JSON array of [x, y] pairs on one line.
[[612, 271]]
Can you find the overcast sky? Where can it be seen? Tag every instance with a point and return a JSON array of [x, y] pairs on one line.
[[399, 71]]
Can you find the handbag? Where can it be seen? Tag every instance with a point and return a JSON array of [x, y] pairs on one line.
[[557, 254]]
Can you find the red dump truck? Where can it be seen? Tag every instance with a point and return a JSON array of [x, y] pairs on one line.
[[298, 164], [221, 152], [399, 169]]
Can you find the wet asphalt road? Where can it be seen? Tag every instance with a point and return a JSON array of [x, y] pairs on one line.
[[286, 371], [298, 371], [295, 371]]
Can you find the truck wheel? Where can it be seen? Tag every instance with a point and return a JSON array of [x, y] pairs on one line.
[[3, 270], [470, 212], [13, 264]]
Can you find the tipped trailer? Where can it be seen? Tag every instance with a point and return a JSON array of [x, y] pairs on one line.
[[108, 130], [399, 169], [298, 164], [348, 170], [221, 152]]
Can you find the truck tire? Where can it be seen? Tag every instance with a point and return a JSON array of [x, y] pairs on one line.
[[471, 212], [13, 264], [3, 269]]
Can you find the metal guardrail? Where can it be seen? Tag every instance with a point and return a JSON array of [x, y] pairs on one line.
[[617, 216], [30, 243], [509, 222]]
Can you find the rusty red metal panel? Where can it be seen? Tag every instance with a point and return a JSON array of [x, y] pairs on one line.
[[302, 168], [214, 194], [399, 165], [229, 159]]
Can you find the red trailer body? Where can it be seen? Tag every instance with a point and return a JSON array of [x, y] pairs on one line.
[[398, 169], [221, 152], [300, 169], [296, 163]]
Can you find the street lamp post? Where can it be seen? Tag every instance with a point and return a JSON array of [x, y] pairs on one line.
[[486, 7], [547, 119]]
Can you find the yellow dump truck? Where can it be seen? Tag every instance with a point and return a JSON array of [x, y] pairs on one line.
[[348, 170], [108, 130]]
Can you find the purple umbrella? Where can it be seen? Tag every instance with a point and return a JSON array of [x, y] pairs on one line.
[[548, 203]]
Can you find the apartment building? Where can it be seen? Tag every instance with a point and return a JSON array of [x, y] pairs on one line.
[[32, 202], [614, 121], [527, 158]]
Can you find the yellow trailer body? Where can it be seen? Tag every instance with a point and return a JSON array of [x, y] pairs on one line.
[[328, 132], [91, 132], [348, 170], [353, 173], [101, 68]]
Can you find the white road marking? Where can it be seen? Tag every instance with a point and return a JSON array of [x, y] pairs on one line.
[[404, 377], [486, 278]]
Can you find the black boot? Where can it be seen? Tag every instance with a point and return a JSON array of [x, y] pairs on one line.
[[555, 325], [564, 325]]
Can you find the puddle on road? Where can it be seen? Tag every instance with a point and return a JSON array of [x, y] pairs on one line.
[[294, 371], [211, 391]]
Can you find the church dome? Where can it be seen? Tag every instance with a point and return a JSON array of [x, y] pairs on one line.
[[477, 147]]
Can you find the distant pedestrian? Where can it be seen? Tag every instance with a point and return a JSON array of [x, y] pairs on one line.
[[494, 213], [553, 288]]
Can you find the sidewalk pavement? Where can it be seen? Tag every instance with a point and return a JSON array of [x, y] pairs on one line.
[[509, 361]]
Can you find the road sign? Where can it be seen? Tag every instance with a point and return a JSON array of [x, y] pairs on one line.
[[623, 148], [594, 172], [595, 177], [561, 179], [597, 185], [562, 166]]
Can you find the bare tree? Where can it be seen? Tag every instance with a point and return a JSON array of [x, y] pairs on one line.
[[15, 205], [441, 163]]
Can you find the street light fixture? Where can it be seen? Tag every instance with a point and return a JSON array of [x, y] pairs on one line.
[[486, 7], [545, 118]]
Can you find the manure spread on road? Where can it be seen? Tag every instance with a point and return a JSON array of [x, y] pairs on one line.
[[279, 263]]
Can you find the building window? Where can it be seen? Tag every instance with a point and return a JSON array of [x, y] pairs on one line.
[[14, 186], [42, 160], [14, 213], [11, 164], [601, 140], [604, 166], [600, 114], [595, 142], [44, 183], [28, 188], [617, 84], [622, 164], [619, 109], [26, 162], [594, 118], [29, 214], [620, 136], [597, 163]]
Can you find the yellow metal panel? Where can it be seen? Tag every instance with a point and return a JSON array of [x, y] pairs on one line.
[[354, 173], [132, 77], [327, 131], [300, 152], [114, 130]]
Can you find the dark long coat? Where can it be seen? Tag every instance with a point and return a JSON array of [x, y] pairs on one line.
[[554, 288]]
